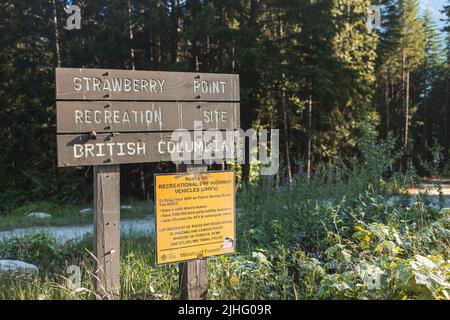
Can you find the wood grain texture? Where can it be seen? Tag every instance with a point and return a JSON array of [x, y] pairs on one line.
[[107, 232], [108, 84], [126, 116], [73, 149], [193, 275]]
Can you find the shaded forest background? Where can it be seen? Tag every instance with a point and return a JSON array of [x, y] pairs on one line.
[[313, 69]]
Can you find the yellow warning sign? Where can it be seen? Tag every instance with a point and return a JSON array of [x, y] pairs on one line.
[[195, 215]]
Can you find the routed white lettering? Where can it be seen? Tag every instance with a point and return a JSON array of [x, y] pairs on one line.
[[77, 84], [117, 84], [100, 150], [78, 116], [89, 149], [161, 84], [127, 84], [109, 149], [96, 84], [160, 144], [140, 148], [77, 151], [121, 152], [131, 148], [97, 116], [196, 85], [106, 85], [126, 117], [152, 85]]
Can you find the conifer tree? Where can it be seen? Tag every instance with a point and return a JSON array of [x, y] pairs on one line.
[[402, 52]]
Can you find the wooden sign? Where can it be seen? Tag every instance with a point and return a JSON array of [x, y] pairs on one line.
[[111, 117], [104, 84], [119, 148], [127, 116], [93, 131], [195, 215]]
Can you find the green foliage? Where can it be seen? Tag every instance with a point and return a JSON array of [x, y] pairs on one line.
[[287, 55], [65, 214], [427, 277], [324, 237], [363, 248], [39, 249]]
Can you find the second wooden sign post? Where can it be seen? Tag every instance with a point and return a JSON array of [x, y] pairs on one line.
[[110, 117], [193, 274]]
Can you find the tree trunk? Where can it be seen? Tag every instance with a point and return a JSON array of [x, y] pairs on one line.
[[192, 5], [141, 168], [285, 111], [175, 36], [253, 13], [405, 121], [246, 119], [309, 142], [57, 36], [406, 144], [386, 97], [425, 113], [446, 123], [131, 36], [286, 137], [142, 181], [220, 41]]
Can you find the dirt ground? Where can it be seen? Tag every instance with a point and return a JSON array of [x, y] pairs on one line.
[[429, 185]]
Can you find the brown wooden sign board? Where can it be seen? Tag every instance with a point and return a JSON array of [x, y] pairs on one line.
[[105, 84], [128, 116], [111, 117], [112, 148]]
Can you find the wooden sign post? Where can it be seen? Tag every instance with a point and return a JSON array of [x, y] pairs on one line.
[[110, 117], [106, 231], [194, 274]]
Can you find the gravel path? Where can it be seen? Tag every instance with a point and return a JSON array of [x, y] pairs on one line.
[[430, 186], [144, 226]]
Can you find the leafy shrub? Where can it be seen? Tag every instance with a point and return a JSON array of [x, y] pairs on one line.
[[39, 249], [42, 206]]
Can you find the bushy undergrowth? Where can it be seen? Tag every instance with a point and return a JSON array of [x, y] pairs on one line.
[[340, 235], [289, 248]]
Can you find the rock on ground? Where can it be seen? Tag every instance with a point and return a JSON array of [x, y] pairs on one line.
[[39, 215], [86, 211], [9, 267]]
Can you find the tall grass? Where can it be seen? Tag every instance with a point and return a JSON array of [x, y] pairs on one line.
[[339, 235]]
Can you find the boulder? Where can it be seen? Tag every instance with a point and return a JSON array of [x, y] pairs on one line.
[[86, 211], [39, 215], [16, 267]]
